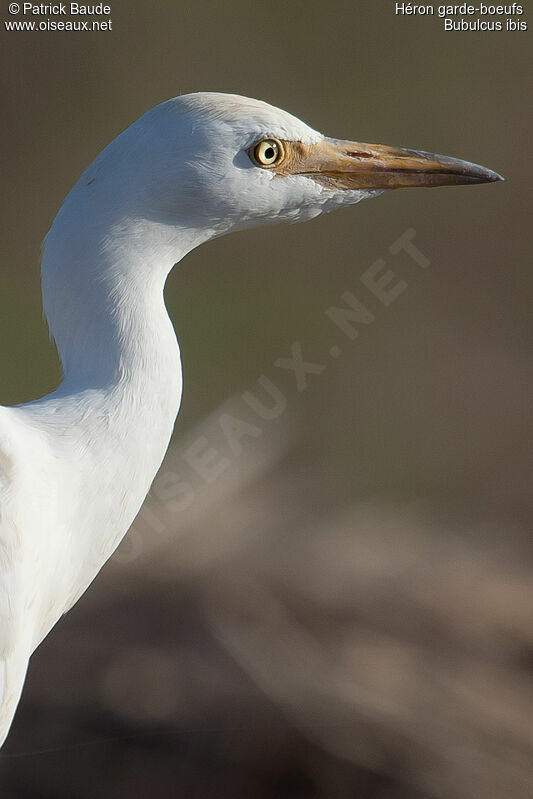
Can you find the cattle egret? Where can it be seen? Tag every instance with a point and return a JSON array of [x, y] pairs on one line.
[[76, 465]]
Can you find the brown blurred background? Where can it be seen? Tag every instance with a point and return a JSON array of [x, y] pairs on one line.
[[345, 610]]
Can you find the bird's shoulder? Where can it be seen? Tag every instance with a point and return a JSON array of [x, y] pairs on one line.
[[6, 442], [11, 538], [28, 522], [16, 455], [21, 446], [10, 463], [25, 467]]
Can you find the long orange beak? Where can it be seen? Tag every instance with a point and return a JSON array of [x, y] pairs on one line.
[[355, 165]]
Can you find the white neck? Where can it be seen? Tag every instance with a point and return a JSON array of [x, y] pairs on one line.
[[112, 417], [103, 298]]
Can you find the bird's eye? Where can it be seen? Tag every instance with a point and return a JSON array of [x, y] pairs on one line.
[[267, 153]]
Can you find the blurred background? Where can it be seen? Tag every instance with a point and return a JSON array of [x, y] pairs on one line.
[[342, 606]]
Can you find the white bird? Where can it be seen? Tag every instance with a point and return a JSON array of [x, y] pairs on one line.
[[76, 465]]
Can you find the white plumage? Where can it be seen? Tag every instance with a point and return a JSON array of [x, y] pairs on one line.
[[76, 465]]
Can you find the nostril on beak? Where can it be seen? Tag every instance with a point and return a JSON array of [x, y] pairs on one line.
[[353, 154]]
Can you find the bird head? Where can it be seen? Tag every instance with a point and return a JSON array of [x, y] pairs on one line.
[[225, 162], [202, 165]]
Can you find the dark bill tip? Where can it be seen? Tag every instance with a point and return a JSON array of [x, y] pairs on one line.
[[452, 170], [489, 176]]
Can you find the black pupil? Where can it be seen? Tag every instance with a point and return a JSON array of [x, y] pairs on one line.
[[269, 153]]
